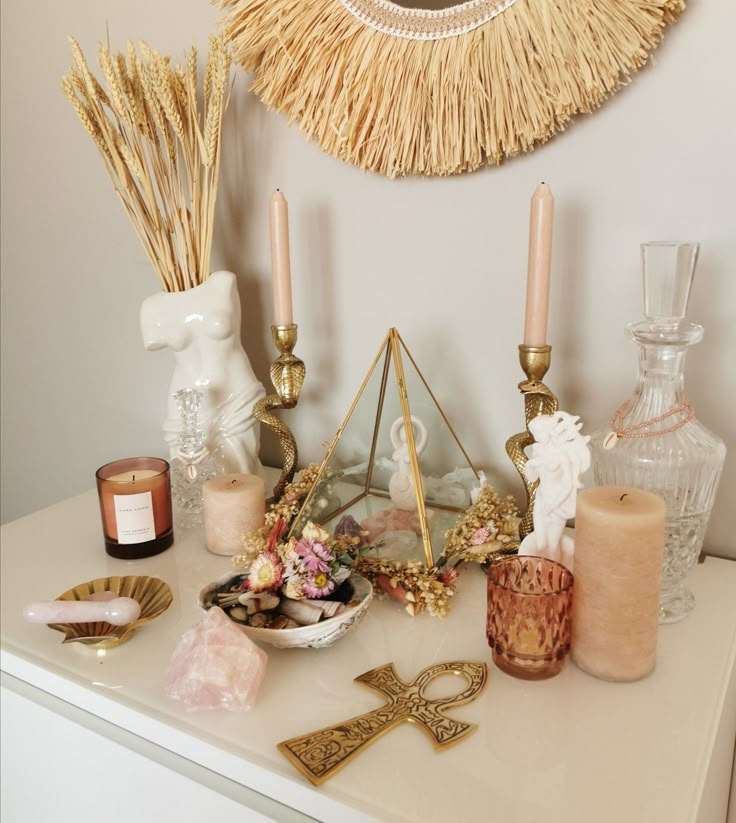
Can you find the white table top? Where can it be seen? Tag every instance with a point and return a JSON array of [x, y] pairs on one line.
[[570, 748]]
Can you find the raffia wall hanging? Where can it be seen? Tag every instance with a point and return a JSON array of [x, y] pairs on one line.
[[412, 91]]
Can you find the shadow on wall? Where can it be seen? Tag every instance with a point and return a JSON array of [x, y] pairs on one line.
[[244, 155], [248, 158], [713, 393], [572, 225]]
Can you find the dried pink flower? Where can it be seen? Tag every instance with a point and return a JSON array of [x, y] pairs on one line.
[[319, 585], [266, 573], [313, 550], [480, 536], [447, 575], [277, 532]]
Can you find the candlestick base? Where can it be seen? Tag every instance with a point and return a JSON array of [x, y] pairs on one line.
[[538, 399], [287, 376]]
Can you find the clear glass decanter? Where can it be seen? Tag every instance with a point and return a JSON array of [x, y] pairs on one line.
[[654, 440], [193, 463]]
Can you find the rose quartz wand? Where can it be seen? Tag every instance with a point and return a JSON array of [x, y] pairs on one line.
[[119, 611]]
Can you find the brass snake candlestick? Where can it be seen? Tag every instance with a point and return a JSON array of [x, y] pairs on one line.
[[287, 376], [538, 399]]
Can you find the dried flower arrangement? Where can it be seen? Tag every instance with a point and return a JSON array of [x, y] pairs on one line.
[[160, 149], [488, 530], [295, 582]]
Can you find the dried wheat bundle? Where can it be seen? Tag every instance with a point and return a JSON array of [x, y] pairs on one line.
[[408, 91], [160, 149]]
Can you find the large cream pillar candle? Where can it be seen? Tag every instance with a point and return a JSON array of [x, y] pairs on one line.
[[619, 540], [540, 259], [234, 505]]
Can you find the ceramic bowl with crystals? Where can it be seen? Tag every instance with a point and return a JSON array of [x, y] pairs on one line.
[[286, 623]]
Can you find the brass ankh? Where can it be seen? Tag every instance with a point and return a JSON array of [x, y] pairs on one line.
[[320, 754]]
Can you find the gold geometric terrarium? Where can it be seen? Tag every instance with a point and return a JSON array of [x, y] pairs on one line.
[[395, 465]]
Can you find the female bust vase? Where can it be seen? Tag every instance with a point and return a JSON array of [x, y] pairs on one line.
[[202, 327]]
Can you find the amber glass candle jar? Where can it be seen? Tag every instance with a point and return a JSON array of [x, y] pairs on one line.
[[135, 504]]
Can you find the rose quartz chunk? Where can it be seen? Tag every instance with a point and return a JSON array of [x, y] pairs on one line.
[[391, 520], [215, 666]]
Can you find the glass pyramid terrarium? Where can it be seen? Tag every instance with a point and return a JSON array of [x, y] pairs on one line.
[[395, 465]]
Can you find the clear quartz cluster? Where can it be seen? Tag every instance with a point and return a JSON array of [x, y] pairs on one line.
[[194, 462]]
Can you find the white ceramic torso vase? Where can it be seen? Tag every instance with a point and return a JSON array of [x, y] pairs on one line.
[[202, 327]]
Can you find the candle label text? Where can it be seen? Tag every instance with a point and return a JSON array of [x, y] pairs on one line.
[[134, 517]]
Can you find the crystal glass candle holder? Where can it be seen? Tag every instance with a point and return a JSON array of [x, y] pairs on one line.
[[529, 616]]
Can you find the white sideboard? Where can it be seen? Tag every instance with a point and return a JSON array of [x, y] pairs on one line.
[[91, 735]]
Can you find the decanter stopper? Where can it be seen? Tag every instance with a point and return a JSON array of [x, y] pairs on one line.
[[194, 463], [668, 270]]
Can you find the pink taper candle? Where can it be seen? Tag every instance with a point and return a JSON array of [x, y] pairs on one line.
[[540, 257], [280, 265]]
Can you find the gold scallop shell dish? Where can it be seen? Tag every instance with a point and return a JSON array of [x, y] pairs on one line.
[[153, 595]]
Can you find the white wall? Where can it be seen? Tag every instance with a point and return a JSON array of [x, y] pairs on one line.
[[442, 259]]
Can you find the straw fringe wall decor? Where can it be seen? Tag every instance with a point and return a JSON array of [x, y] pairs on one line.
[[411, 91]]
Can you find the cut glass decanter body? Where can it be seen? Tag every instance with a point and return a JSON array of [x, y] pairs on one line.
[[194, 462], [654, 441]]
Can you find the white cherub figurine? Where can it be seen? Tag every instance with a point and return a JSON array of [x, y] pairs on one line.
[[557, 459]]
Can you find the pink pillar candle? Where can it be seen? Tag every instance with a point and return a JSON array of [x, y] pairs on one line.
[[619, 541], [540, 259], [280, 263], [234, 505]]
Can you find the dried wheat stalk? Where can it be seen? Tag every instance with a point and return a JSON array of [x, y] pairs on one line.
[[160, 149]]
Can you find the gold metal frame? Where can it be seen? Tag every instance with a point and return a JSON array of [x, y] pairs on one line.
[[391, 348]]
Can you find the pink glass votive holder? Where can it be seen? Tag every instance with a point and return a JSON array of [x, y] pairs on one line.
[[529, 616]]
